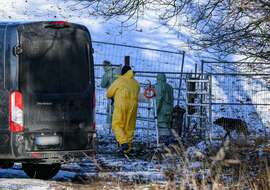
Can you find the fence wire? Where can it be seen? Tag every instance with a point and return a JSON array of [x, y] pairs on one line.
[[145, 59]]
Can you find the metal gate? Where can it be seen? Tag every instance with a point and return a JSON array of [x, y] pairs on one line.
[[147, 63]]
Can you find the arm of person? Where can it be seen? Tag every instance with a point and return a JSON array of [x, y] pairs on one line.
[[112, 89], [104, 81]]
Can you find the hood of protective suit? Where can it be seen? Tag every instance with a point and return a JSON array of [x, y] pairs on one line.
[[161, 78], [128, 75]]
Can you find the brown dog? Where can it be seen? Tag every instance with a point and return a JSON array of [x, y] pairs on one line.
[[230, 124]]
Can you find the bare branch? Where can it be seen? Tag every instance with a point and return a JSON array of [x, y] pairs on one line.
[[227, 26]]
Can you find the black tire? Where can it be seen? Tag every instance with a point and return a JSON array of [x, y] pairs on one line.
[[6, 164], [41, 171]]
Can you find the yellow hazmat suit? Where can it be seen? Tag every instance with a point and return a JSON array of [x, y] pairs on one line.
[[125, 91]]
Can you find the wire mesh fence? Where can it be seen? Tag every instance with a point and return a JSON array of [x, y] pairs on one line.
[[240, 90], [145, 131], [144, 59], [222, 89], [146, 63]]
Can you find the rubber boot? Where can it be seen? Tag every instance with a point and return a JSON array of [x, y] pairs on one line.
[[123, 147], [129, 148]]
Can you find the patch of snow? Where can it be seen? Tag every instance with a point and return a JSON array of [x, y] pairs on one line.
[[26, 184]]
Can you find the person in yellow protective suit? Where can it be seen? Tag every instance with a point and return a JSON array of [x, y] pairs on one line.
[[125, 91]]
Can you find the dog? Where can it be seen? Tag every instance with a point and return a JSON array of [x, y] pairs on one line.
[[230, 124]]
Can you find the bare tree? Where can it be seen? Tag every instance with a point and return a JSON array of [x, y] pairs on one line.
[[227, 26]]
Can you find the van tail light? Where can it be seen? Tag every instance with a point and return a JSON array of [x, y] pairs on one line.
[[94, 110], [16, 112], [94, 125]]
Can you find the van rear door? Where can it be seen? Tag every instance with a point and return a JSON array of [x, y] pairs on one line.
[[57, 83]]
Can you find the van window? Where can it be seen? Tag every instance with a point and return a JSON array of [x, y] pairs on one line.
[[54, 60]]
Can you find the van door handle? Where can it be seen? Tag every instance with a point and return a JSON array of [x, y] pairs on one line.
[[17, 50]]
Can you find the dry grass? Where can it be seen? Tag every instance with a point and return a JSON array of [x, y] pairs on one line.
[[230, 166], [233, 166]]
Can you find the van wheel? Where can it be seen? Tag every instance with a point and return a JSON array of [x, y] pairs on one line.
[[41, 171], [6, 164]]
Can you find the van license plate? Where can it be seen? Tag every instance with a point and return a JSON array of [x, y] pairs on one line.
[[47, 140]]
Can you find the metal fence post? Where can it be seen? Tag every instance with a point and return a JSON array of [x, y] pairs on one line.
[[210, 107], [202, 67], [181, 76]]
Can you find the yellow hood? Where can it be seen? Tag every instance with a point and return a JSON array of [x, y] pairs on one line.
[[128, 75]]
